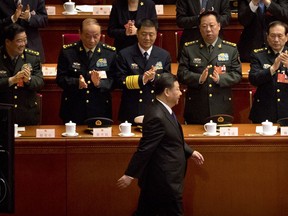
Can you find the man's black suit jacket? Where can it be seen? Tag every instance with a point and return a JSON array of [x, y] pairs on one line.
[[161, 159]]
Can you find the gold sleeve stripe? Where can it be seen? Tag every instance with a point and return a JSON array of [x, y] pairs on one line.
[[132, 82]]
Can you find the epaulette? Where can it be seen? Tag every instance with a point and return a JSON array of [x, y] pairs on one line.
[[33, 52], [260, 50], [229, 43], [109, 47], [190, 43], [65, 46]]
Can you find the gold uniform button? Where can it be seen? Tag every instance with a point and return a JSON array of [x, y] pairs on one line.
[[87, 101], [210, 75], [140, 100], [210, 95], [152, 91], [15, 96], [15, 87], [210, 85], [278, 99], [278, 90], [66, 98], [89, 82], [140, 91], [15, 105], [87, 91], [152, 100]]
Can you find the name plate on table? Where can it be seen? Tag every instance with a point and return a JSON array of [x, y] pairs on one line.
[[49, 71], [284, 131], [102, 132], [45, 133], [102, 9], [51, 10], [159, 9], [228, 131]]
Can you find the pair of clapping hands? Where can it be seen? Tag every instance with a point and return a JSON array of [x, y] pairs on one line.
[[215, 75], [20, 14], [95, 77], [149, 75], [130, 28], [23, 76]]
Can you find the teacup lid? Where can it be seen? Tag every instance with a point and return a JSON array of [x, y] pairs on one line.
[[126, 123], [266, 122], [70, 123]]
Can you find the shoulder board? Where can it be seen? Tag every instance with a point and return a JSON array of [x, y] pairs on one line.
[[229, 43], [109, 47], [190, 43], [260, 50], [65, 46], [32, 52]]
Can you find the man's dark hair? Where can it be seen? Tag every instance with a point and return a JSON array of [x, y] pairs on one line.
[[165, 80], [275, 23], [12, 30], [207, 13], [148, 23]]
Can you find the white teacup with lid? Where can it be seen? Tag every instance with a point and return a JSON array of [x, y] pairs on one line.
[[267, 127], [210, 127], [69, 7], [125, 128], [70, 128]]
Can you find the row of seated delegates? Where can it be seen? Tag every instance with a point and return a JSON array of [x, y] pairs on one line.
[[21, 76], [269, 74], [209, 67], [187, 14], [255, 16], [85, 95], [125, 18], [138, 66], [31, 15]]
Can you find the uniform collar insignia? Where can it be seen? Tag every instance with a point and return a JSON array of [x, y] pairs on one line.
[[80, 49], [99, 50], [22, 56], [220, 46], [141, 3], [201, 45]]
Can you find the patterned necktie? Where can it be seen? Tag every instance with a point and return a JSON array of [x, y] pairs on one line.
[[204, 4], [261, 7]]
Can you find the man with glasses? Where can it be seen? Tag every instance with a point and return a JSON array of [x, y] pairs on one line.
[[85, 73], [269, 74], [20, 76], [209, 67]]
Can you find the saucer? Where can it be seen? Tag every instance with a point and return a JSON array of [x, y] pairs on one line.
[[69, 13], [18, 135], [211, 134], [69, 135], [268, 134], [126, 135]]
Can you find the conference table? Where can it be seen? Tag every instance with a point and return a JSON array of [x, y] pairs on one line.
[[242, 175]]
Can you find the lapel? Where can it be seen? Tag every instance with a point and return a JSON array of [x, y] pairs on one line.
[[210, 4], [204, 51], [138, 58], [169, 117], [83, 55], [19, 63]]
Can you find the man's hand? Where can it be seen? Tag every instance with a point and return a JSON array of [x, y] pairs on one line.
[[17, 13], [149, 75], [124, 182], [130, 28], [26, 74], [204, 75], [95, 78], [82, 83], [197, 157], [284, 58], [275, 65], [216, 72], [25, 15]]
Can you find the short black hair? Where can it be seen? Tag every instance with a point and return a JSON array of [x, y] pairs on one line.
[[12, 30], [148, 23], [207, 13], [165, 80], [275, 23]]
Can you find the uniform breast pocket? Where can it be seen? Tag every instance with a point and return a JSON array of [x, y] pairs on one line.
[[196, 68]]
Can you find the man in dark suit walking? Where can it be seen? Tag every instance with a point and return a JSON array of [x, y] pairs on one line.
[[161, 159], [137, 68]]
